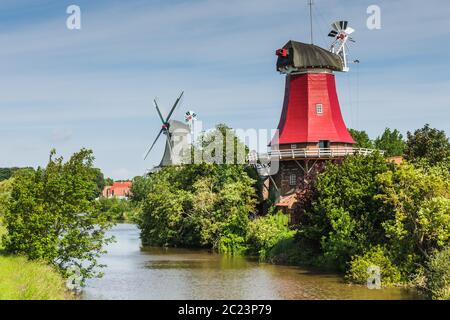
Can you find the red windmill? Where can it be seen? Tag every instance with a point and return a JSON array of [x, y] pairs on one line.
[[311, 127]]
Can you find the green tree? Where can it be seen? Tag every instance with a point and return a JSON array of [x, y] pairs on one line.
[[199, 205], [418, 206], [268, 231], [139, 188], [428, 144], [437, 276], [375, 256], [345, 218], [391, 142], [5, 193], [117, 210], [163, 210], [361, 138], [109, 182], [6, 173], [99, 180], [51, 215]]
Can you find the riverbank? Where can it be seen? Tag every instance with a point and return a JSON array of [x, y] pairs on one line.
[[21, 279]]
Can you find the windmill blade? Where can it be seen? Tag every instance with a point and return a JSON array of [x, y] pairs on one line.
[[335, 26], [349, 30], [159, 111], [339, 26], [351, 39], [332, 34], [343, 24], [154, 142], [174, 106]]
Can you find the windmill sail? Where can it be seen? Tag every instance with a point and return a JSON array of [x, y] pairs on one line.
[[171, 130]]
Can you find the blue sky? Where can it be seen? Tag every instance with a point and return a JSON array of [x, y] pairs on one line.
[[94, 87]]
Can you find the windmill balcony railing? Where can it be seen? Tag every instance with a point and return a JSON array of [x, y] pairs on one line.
[[320, 152]]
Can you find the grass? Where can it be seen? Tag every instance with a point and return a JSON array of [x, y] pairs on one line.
[[21, 279]]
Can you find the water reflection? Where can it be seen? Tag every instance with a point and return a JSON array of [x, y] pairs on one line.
[[155, 273]]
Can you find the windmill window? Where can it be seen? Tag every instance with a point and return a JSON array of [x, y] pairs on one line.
[[319, 108], [292, 180]]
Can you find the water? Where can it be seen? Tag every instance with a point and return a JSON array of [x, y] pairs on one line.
[[155, 273]]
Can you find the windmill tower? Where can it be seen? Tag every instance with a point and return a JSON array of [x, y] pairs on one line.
[[311, 126], [176, 133]]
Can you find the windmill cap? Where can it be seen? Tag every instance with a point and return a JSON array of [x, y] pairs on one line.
[[300, 55]]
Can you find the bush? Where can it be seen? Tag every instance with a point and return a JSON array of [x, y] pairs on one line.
[[437, 275], [117, 210], [288, 251], [376, 256], [198, 206], [345, 218], [232, 244], [51, 215], [416, 202], [266, 232]]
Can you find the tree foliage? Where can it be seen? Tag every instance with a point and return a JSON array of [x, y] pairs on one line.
[[266, 232], [117, 210], [375, 256], [361, 138], [51, 215], [205, 205], [198, 205], [437, 277], [418, 204], [345, 217], [428, 144], [5, 194], [99, 180], [7, 173], [367, 211], [391, 142]]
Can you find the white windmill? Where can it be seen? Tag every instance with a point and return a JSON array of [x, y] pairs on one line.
[[341, 32], [176, 133]]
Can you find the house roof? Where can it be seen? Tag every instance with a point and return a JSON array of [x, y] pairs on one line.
[[122, 184], [118, 189]]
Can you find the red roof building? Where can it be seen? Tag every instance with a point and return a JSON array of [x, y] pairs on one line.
[[121, 190]]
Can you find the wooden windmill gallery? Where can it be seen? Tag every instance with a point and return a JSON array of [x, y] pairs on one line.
[[311, 129]]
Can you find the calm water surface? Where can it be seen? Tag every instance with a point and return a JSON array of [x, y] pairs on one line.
[[136, 272]]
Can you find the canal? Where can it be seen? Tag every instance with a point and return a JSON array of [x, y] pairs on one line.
[[135, 272]]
